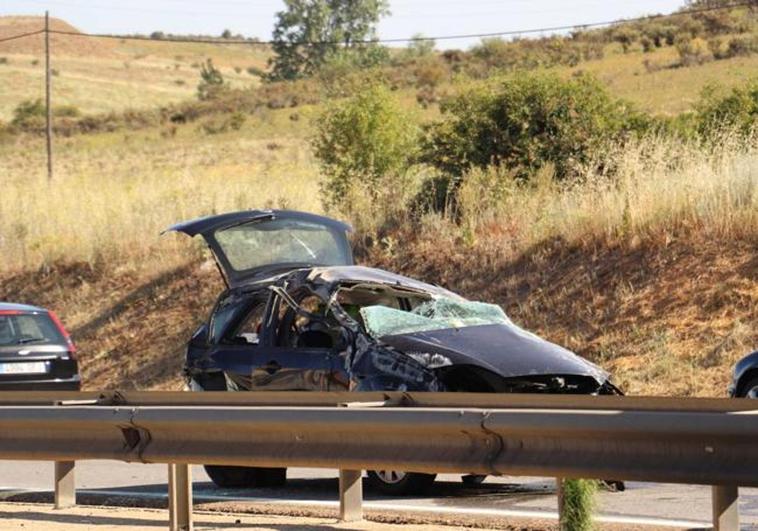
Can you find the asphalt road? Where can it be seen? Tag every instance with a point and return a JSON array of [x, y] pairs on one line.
[[680, 506]]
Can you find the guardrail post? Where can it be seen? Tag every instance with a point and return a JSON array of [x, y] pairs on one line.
[[351, 495], [560, 492], [726, 513], [179, 497], [65, 485]]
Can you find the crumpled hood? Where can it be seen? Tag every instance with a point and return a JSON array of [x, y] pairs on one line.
[[504, 349]]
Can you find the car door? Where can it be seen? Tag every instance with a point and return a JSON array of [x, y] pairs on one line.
[[287, 365]]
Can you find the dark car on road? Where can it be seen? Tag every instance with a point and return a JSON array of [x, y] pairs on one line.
[[36, 352], [298, 314], [745, 377]]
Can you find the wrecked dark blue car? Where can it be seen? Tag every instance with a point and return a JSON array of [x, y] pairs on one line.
[[298, 315]]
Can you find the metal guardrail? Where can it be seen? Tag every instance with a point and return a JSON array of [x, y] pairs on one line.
[[694, 441]]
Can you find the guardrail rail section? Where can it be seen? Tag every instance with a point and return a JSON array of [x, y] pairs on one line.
[[690, 441]]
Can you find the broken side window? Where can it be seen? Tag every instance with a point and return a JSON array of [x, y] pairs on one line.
[[436, 314]]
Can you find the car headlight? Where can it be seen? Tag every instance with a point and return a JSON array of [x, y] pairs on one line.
[[429, 360]]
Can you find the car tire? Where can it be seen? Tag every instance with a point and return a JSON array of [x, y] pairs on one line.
[[473, 479], [750, 388], [397, 483], [237, 477], [231, 477]]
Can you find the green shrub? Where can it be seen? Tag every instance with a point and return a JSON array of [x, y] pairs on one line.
[[418, 48], [222, 124], [734, 111], [211, 82], [742, 46], [28, 112], [578, 504], [430, 72], [366, 142], [3, 60], [692, 51], [67, 111], [525, 122], [255, 71], [626, 36]]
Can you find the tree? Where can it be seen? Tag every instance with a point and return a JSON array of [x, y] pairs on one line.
[[226, 34], [368, 141], [419, 46], [333, 25]]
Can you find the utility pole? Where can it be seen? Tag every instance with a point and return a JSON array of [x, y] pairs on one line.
[[49, 108]]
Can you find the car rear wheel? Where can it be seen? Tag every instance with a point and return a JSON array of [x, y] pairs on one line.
[[396, 483], [750, 389], [236, 477], [473, 479]]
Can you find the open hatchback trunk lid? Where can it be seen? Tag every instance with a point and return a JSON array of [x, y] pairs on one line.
[[253, 244]]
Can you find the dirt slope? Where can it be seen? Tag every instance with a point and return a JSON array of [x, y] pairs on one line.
[[59, 44], [667, 318]]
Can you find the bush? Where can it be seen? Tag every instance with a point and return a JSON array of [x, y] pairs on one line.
[[217, 125], [418, 48], [211, 82], [742, 46], [735, 111], [660, 34], [626, 36], [430, 72], [691, 51], [366, 142], [255, 71], [29, 113], [526, 122]]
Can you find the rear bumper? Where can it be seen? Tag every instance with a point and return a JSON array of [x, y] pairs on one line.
[[70, 384]]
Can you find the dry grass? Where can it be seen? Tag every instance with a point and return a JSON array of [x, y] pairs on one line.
[[114, 193], [658, 185], [664, 89]]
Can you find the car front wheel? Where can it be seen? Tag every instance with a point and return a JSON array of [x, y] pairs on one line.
[[396, 483], [750, 389]]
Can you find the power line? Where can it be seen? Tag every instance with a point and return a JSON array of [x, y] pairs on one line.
[[22, 35], [398, 40]]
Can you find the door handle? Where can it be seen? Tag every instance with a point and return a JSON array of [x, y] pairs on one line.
[[272, 366]]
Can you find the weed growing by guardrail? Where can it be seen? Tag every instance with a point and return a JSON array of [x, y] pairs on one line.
[[578, 504]]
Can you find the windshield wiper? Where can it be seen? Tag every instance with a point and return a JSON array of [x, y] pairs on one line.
[[25, 340]]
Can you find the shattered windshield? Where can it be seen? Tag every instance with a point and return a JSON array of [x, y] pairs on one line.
[[436, 314]]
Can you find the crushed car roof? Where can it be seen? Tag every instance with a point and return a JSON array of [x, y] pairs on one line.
[[369, 275]]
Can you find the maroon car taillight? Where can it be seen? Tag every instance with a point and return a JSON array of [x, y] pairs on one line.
[[64, 333]]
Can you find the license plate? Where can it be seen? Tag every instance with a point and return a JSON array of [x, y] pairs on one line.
[[25, 367]]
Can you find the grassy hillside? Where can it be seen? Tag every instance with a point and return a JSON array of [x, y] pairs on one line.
[[102, 75]]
